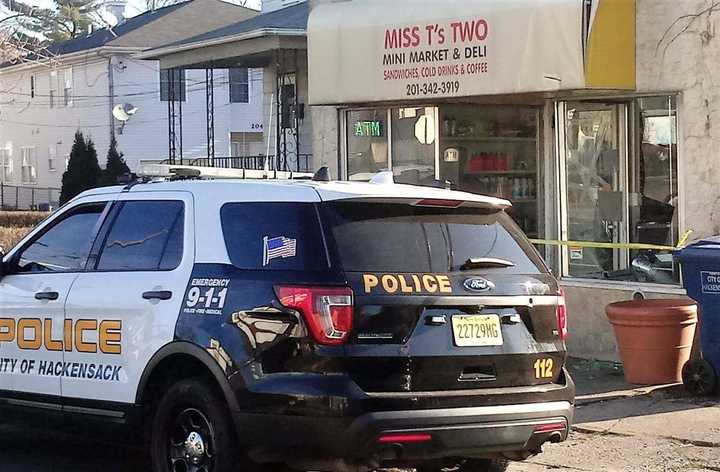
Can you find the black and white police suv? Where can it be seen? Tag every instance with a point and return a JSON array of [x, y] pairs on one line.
[[328, 326]]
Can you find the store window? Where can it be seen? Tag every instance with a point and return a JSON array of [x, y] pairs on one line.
[[493, 150], [486, 149], [620, 187], [367, 143]]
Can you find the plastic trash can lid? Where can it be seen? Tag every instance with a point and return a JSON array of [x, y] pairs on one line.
[[699, 247]]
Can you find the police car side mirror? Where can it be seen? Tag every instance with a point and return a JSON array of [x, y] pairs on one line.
[[2, 262]]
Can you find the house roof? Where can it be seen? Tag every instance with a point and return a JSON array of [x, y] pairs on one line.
[[294, 17], [104, 36], [175, 22]]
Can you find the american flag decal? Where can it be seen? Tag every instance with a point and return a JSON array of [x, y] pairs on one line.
[[278, 248]]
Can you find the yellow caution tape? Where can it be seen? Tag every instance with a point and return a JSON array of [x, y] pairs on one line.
[[596, 245]]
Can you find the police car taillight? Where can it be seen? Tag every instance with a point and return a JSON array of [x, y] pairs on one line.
[[562, 320], [328, 311]]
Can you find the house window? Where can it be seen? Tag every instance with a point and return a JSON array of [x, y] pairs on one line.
[[620, 180], [65, 85], [32, 86], [52, 89], [239, 85], [52, 157], [246, 144], [6, 165], [29, 165], [172, 85]]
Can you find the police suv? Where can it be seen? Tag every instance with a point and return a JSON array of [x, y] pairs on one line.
[[316, 325]]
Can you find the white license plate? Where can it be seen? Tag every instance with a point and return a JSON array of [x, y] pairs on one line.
[[477, 330]]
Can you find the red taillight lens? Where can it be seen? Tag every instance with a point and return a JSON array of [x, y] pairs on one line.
[[550, 427], [562, 320], [328, 311], [404, 438]]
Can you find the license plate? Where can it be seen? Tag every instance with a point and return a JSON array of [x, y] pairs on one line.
[[477, 330]]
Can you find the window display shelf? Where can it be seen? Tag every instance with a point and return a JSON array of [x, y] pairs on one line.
[[502, 172], [498, 139]]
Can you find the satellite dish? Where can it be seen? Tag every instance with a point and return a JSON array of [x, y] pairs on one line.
[[124, 112]]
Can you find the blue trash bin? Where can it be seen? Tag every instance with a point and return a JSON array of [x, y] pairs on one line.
[[700, 264]]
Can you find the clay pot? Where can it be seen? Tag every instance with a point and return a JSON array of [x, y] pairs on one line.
[[655, 338]]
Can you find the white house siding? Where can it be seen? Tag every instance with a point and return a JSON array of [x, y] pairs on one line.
[[26, 121], [31, 122], [145, 137]]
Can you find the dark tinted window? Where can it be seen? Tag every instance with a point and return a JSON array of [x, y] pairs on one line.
[[146, 235], [277, 236], [66, 245], [239, 86], [405, 238]]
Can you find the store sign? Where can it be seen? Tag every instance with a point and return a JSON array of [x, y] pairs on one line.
[[420, 49], [369, 129]]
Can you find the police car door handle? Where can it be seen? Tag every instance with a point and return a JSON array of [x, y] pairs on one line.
[[47, 296], [157, 295]]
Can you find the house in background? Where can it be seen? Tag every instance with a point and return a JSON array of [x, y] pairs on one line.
[[276, 42], [42, 105]]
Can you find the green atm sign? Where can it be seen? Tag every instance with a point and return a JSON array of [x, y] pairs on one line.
[[369, 129]]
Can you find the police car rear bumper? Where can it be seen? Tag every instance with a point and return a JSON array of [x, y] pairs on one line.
[[411, 435], [408, 426]]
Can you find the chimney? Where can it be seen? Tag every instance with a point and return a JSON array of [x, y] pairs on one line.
[[116, 8]]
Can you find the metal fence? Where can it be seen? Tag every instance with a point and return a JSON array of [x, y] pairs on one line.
[[299, 163], [19, 197]]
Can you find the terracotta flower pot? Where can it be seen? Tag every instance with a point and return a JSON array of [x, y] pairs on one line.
[[655, 338]]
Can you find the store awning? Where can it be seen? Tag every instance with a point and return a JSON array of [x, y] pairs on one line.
[[365, 51]]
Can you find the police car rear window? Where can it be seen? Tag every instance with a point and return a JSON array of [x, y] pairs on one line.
[[385, 237], [274, 236]]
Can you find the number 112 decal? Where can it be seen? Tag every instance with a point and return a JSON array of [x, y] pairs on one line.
[[544, 368]]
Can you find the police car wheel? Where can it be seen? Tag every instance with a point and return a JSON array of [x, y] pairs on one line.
[[191, 431]]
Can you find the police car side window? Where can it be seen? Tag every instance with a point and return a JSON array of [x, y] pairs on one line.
[[274, 236], [146, 235], [65, 246]]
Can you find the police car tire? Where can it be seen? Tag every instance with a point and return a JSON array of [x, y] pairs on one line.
[[193, 395]]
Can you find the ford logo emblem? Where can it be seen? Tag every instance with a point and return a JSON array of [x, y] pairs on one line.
[[478, 284]]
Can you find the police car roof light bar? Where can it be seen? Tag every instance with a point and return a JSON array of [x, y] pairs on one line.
[[179, 172]]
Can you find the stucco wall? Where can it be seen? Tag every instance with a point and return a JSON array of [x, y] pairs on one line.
[[687, 62]]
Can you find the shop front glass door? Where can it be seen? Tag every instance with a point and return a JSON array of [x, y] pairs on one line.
[[595, 156], [367, 143]]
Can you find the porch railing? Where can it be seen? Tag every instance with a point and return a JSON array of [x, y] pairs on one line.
[[300, 163]]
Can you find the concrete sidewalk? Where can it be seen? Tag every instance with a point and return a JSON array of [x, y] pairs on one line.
[[620, 427]]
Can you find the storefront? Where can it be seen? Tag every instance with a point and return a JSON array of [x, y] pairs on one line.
[[532, 101]]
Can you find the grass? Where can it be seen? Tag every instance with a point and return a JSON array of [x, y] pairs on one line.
[[10, 236], [16, 224]]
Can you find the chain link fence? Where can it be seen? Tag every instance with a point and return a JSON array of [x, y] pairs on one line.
[[17, 197]]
